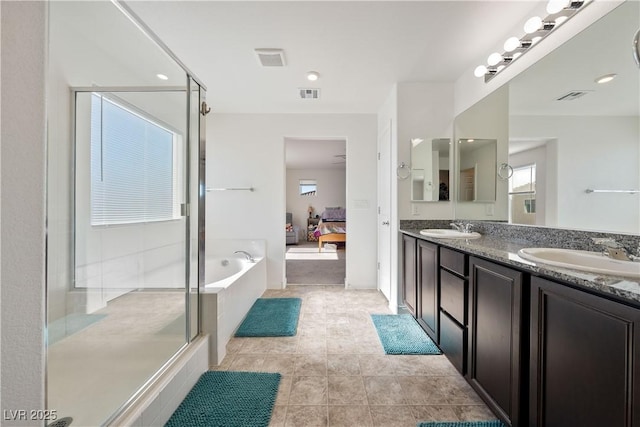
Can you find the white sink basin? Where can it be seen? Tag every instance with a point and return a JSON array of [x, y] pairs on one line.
[[594, 262], [445, 233]]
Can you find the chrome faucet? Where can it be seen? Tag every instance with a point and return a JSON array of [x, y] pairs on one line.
[[615, 250], [461, 227], [250, 258]]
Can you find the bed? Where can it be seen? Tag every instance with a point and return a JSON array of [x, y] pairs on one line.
[[332, 227]]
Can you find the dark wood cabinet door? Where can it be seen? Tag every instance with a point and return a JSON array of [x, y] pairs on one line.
[[409, 291], [585, 359], [428, 295], [495, 342]]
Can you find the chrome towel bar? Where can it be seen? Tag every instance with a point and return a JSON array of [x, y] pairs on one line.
[[589, 190], [231, 189]]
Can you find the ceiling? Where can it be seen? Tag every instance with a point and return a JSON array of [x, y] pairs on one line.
[[360, 48]]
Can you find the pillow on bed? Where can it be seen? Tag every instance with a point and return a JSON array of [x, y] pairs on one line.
[[334, 214]]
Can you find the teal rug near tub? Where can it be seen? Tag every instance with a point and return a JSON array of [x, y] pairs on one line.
[[401, 334], [230, 399], [271, 317], [491, 423]]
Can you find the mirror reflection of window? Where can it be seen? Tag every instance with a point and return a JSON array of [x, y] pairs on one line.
[[522, 195], [308, 187]]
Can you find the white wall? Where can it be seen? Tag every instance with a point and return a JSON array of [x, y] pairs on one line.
[[331, 184], [245, 150], [425, 110], [23, 219], [613, 142]]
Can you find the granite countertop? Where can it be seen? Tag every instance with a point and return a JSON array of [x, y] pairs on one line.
[[506, 251]]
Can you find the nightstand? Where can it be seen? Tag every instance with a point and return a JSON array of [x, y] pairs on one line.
[[311, 226]]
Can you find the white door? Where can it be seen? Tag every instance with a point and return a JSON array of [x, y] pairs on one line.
[[384, 211]]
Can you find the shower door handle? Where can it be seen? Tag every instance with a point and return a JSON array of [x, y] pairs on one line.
[[385, 222]]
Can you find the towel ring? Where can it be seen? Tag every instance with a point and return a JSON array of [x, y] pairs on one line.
[[505, 171], [403, 171]]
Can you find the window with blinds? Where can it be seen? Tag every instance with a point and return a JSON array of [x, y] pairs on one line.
[[133, 166]]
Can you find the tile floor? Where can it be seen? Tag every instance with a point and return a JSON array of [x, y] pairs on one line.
[[335, 372]]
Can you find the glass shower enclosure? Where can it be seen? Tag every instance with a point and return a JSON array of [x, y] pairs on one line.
[[124, 180]]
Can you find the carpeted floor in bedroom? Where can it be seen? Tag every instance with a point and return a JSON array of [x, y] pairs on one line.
[[306, 266]]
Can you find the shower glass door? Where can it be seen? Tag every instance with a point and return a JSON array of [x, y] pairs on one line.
[[123, 222]]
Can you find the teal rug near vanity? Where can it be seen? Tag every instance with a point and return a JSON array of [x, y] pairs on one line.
[[401, 334], [491, 423], [231, 399], [271, 317]]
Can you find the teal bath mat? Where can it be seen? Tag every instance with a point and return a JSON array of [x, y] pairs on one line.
[[271, 317], [230, 399], [492, 423], [401, 334]]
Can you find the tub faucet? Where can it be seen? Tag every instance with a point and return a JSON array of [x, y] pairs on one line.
[[615, 250], [246, 254]]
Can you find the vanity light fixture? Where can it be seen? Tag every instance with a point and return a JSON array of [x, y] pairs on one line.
[[162, 76], [606, 78], [536, 29], [313, 76]]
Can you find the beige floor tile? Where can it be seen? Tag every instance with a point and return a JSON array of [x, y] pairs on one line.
[[392, 416], [284, 391], [343, 364], [383, 391], [345, 390], [350, 416], [308, 391], [278, 416], [452, 413], [377, 365], [312, 365], [307, 416], [310, 344]]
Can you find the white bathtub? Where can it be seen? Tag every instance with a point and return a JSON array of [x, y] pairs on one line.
[[232, 286]]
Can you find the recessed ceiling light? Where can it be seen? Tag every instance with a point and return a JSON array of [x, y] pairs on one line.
[[470, 140], [313, 76], [606, 78], [162, 77]]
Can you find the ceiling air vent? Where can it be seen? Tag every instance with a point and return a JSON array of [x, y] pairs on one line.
[[574, 94], [309, 93], [270, 57]]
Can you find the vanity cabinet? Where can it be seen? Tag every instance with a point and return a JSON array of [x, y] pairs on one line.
[[454, 307], [495, 342], [428, 289], [409, 290], [585, 359]]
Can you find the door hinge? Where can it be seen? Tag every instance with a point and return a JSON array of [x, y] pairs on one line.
[[378, 210], [378, 156], [184, 209]]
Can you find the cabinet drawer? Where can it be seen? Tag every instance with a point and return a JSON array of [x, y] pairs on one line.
[[452, 339], [454, 261], [453, 296]]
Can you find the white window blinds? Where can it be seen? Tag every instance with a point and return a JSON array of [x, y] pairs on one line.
[[132, 166]]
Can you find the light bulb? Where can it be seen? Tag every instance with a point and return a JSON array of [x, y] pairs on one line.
[[511, 44], [555, 6], [532, 25], [313, 76], [162, 77], [606, 78], [494, 58], [480, 71]]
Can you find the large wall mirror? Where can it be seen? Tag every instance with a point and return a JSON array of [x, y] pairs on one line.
[[574, 143], [430, 177]]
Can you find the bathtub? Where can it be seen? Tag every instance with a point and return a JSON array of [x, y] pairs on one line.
[[232, 286]]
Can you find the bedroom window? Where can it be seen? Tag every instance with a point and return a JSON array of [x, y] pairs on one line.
[[133, 166], [308, 187]]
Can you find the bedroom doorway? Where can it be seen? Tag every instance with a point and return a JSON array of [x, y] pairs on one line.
[[315, 214]]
